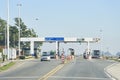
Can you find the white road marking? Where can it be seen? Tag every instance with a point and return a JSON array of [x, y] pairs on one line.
[[20, 77], [108, 74], [89, 78]]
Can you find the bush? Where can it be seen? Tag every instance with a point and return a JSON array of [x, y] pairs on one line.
[[1, 49], [22, 57]]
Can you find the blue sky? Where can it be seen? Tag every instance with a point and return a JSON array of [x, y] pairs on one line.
[[70, 18]]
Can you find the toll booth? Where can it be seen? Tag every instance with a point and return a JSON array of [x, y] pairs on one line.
[[72, 52], [87, 54], [26, 52]]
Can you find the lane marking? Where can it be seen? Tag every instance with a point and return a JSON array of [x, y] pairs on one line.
[[20, 77], [89, 78], [107, 73], [46, 76]]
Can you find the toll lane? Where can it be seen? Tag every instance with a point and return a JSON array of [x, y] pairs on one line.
[[82, 69], [29, 70]]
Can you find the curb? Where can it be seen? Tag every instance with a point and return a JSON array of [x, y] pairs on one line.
[[110, 75], [4, 63]]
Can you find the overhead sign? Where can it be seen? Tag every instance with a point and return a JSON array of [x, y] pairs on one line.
[[54, 38], [80, 39]]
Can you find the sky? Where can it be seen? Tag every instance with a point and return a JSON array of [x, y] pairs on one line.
[[70, 18]]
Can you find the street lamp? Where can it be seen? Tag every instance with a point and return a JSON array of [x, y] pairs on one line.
[[8, 27], [19, 5]]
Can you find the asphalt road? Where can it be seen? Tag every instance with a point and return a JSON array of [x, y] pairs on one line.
[[29, 70], [81, 69], [78, 69]]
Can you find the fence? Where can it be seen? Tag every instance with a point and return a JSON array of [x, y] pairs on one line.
[[11, 55]]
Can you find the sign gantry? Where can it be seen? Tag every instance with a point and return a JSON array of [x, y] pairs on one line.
[[58, 40]]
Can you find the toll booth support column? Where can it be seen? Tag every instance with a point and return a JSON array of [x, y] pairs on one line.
[[31, 47], [57, 48], [88, 50], [88, 47]]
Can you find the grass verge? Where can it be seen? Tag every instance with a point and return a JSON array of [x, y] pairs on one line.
[[7, 66]]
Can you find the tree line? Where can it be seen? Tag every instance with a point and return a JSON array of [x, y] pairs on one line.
[[14, 33]]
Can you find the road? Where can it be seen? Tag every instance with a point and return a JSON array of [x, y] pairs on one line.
[[83, 70], [78, 69], [29, 70]]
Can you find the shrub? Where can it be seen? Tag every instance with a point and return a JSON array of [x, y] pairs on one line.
[[1, 49]]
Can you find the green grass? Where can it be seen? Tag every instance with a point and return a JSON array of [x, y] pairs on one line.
[[0, 60], [5, 67]]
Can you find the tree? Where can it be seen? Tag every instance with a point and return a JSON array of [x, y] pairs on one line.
[[2, 31], [25, 32], [13, 36], [14, 33]]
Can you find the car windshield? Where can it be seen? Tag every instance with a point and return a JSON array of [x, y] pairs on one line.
[[45, 54]]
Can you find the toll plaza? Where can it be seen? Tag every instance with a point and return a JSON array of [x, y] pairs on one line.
[[58, 40]]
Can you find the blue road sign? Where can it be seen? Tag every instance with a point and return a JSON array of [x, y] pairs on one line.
[[54, 38]]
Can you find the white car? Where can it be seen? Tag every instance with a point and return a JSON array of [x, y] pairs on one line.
[[45, 57]]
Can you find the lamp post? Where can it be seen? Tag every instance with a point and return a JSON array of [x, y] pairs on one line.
[[19, 5], [8, 28]]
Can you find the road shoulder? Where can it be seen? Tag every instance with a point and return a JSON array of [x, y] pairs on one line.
[[114, 70]]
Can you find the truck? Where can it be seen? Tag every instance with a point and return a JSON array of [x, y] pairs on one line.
[[96, 54]]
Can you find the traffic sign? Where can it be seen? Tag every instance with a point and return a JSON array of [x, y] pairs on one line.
[[54, 38]]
